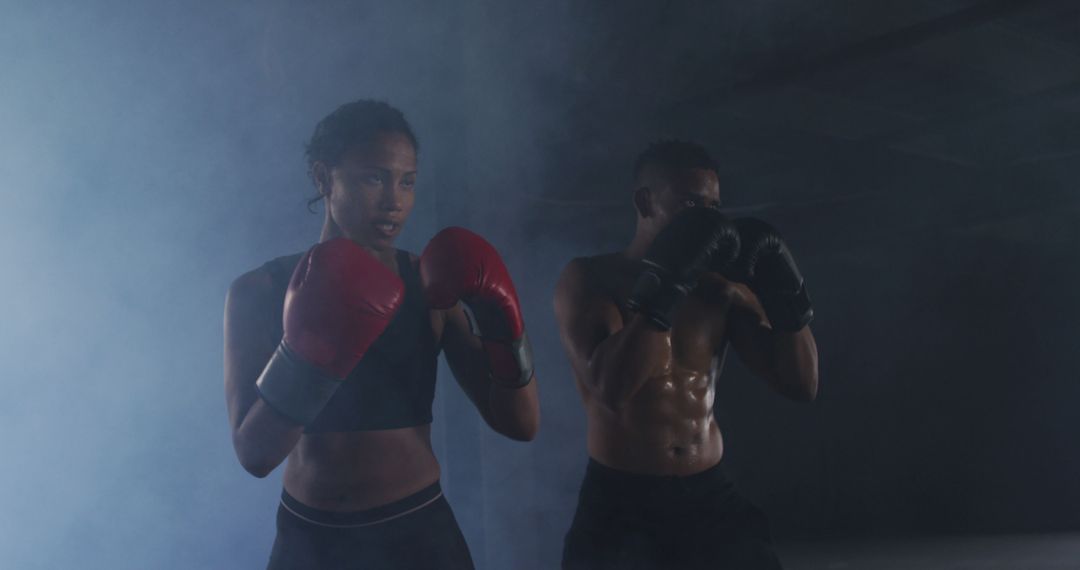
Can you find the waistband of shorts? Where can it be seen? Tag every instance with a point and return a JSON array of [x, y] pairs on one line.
[[610, 478], [366, 517]]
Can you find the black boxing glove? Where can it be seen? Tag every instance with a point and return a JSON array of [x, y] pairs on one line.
[[678, 255], [766, 265]]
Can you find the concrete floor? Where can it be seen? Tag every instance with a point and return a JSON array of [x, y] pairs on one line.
[[1010, 552]]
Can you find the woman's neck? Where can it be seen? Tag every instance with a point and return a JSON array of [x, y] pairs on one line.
[[388, 256]]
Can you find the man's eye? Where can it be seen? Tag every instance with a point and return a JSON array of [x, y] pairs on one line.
[[690, 203], [408, 183], [373, 179]]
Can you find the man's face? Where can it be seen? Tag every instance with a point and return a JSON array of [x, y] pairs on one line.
[[371, 190], [670, 191]]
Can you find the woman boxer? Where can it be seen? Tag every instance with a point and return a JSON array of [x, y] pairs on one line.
[[330, 360]]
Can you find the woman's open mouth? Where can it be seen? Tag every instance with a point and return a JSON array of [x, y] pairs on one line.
[[387, 228]]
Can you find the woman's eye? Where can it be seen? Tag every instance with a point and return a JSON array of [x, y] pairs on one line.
[[690, 203], [408, 183], [373, 179]]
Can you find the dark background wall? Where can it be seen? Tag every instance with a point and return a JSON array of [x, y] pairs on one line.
[[920, 157]]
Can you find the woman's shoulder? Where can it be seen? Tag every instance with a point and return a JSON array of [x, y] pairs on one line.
[[251, 288], [262, 283]]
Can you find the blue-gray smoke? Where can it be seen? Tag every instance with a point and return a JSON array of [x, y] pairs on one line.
[[151, 152]]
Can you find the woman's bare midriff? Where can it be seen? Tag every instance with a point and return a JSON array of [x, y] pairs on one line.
[[352, 471], [666, 428]]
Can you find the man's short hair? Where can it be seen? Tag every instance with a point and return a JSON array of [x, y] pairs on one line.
[[675, 155]]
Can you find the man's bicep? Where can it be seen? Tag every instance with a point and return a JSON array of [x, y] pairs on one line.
[[750, 335], [585, 318]]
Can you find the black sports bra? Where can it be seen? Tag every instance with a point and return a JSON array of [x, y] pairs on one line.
[[394, 384]]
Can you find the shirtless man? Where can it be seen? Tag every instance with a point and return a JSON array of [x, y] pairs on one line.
[[646, 330]]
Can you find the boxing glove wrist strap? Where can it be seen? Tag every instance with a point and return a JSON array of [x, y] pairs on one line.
[[511, 363], [787, 312], [294, 388], [655, 298]]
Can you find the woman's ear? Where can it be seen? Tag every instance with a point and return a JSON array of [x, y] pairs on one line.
[[321, 176]]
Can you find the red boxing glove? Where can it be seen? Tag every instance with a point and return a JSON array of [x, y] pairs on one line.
[[340, 299], [458, 265]]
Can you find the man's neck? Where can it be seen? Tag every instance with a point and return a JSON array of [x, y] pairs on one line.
[[639, 245]]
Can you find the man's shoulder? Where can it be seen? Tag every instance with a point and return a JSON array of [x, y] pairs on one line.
[[581, 271], [595, 275], [603, 262]]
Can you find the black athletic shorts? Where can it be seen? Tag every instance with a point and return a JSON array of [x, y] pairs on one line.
[[629, 521], [418, 532]]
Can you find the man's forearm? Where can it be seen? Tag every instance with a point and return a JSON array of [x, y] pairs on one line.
[[795, 364], [624, 361]]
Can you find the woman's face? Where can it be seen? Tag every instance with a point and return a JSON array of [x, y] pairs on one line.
[[371, 190]]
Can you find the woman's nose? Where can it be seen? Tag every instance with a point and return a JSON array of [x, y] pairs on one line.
[[391, 198]]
